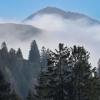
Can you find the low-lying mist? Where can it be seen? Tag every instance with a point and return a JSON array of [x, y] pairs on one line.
[[56, 30]]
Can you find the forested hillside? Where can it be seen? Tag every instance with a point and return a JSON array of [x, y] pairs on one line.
[[17, 70], [63, 74]]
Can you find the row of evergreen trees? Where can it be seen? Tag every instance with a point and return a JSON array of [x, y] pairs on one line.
[[34, 56], [18, 71], [68, 76], [6, 92], [12, 66]]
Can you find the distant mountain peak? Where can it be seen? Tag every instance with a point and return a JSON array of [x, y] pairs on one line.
[[64, 14], [52, 8]]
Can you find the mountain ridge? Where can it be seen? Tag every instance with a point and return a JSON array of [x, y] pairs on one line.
[[24, 30], [64, 14]]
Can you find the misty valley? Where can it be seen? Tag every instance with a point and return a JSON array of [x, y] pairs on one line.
[[50, 55]]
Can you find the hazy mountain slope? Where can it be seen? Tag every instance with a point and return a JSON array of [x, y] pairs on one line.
[[19, 30], [62, 13]]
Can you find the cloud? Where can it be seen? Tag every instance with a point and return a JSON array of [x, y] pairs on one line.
[[70, 32], [56, 30]]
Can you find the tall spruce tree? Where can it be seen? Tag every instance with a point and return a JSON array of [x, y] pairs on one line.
[[59, 73], [30, 96], [12, 58], [4, 88], [6, 92], [94, 86], [69, 76], [34, 56], [4, 54], [4, 47], [41, 88], [98, 75], [14, 96], [82, 75], [44, 57], [19, 53]]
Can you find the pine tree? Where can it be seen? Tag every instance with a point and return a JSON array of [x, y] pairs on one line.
[[14, 96], [82, 74], [69, 76], [44, 57], [4, 47], [6, 92], [19, 54], [12, 53], [30, 96], [98, 78], [4, 54], [94, 86], [4, 88], [12, 58], [34, 56], [41, 89], [59, 73]]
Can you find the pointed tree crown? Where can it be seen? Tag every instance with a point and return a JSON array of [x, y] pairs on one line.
[[19, 53], [12, 51], [34, 55], [33, 44], [4, 47]]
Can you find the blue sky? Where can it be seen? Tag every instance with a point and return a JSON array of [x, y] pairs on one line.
[[20, 9]]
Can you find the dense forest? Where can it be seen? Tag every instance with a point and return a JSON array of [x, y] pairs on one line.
[[63, 74]]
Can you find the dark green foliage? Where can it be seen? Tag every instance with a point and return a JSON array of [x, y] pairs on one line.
[[69, 76], [59, 73], [30, 96], [43, 59], [82, 73], [54, 84], [4, 88], [19, 54], [34, 56], [6, 92], [19, 71], [4, 55], [41, 87], [65, 74], [14, 96]]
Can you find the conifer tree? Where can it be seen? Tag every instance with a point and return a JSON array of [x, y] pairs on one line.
[[82, 74], [6, 92], [4, 88], [34, 56], [41, 88], [4, 54], [14, 96], [12, 58], [19, 54], [94, 86], [12, 53], [4, 47], [30, 96], [69, 76], [44, 57], [59, 73]]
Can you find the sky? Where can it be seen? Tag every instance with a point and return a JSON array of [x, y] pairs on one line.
[[76, 32], [20, 9]]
